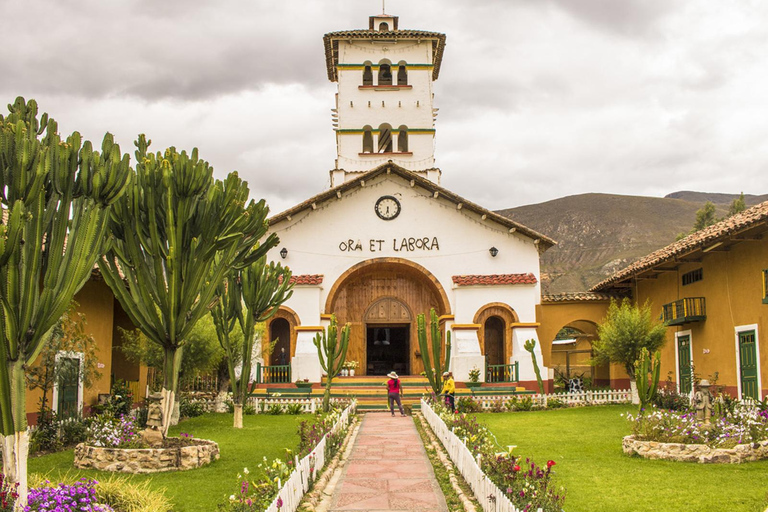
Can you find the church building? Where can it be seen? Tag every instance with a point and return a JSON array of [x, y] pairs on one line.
[[386, 242]]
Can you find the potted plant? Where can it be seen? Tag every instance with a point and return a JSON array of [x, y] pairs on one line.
[[474, 378], [352, 366], [303, 384]]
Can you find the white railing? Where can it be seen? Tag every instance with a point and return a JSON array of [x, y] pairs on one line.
[[262, 405], [490, 497], [306, 469], [599, 397]]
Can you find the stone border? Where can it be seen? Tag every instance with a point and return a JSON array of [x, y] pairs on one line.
[[147, 460], [700, 453]]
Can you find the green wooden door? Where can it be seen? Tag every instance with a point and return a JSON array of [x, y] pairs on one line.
[[684, 363], [748, 364], [69, 384]]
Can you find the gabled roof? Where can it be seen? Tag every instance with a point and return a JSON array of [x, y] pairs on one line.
[[494, 279], [391, 168], [331, 42], [716, 237]]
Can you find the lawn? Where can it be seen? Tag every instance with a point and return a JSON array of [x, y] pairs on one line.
[[585, 443], [201, 490]]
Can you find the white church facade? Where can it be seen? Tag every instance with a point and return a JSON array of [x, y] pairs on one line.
[[386, 242]]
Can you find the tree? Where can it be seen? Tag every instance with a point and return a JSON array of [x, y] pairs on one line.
[[202, 353], [625, 332], [737, 205], [705, 217], [249, 296], [176, 234], [332, 352], [68, 336], [435, 363], [55, 198]]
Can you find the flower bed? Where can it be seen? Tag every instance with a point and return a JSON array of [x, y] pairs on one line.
[[180, 455], [501, 481], [695, 452], [735, 434]]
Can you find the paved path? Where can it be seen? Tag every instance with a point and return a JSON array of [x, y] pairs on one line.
[[388, 469]]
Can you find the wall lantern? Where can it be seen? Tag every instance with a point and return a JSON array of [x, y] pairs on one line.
[[283, 253], [494, 251]]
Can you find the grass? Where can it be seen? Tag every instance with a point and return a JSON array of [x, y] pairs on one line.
[[586, 445], [201, 490]]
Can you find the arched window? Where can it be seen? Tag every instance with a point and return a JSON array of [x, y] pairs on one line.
[[385, 138], [367, 139], [402, 139], [402, 73], [367, 74], [383, 26], [385, 73]]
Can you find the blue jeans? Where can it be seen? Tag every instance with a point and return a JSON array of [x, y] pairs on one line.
[[395, 397]]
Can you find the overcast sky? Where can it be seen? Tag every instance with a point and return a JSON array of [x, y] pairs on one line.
[[538, 99]]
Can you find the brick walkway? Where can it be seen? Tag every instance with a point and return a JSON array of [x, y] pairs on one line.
[[388, 469]]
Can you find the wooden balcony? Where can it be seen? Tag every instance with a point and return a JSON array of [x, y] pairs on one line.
[[683, 311]]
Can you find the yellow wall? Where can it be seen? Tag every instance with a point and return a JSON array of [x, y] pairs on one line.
[[732, 287]]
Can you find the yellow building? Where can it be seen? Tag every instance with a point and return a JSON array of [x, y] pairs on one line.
[[103, 315], [710, 289]]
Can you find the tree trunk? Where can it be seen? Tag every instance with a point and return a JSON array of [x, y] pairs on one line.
[[14, 426], [635, 395], [327, 396], [238, 416], [171, 367], [15, 453]]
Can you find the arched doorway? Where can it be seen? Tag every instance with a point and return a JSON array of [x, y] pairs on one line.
[[493, 334], [381, 298], [387, 337], [280, 330], [571, 356]]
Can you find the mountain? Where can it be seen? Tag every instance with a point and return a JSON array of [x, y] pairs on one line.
[[598, 234]]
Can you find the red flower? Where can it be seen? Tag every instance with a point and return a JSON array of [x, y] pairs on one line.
[[516, 468], [550, 463]]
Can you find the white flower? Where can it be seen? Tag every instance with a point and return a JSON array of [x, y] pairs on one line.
[[245, 470]]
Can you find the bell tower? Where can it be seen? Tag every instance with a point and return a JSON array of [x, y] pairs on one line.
[[384, 101]]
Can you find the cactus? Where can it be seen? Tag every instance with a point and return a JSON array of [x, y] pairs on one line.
[[434, 364], [57, 196], [332, 353], [249, 296], [530, 345], [175, 235], [647, 372]]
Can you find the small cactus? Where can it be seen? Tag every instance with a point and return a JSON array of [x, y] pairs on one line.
[[434, 365], [332, 352], [530, 345], [647, 372]]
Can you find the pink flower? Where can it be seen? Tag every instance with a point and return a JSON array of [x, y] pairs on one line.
[[551, 463]]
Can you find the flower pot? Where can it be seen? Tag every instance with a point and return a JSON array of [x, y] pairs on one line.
[[303, 385], [344, 372], [352, 373], [473, 384]]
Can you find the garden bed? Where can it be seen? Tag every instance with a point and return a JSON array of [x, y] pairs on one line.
[[178, 455], [700, 453]]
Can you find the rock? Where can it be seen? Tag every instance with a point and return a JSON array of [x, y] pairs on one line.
[[153, 437]]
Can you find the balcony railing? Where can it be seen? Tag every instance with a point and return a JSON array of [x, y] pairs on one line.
[[683, 311], [501, 372], [277, 374]]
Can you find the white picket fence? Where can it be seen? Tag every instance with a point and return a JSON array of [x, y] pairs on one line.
[[306, 469], [601, 397], [490, 497], [262, 405]]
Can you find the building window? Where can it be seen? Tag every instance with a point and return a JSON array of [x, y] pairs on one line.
[[402, 139], [385, 138], [367, 74], [383, 26], [402, 74], [692, 276], [765, 286], [385, 74], [367, 140]]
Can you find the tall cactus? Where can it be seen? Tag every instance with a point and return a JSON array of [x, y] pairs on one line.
[[647, 373], [249, 296], [55, 198], [530, 346], [332, 353], [176, 234], [434, 363]]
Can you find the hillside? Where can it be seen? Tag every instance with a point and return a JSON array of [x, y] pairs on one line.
[[598, 234]]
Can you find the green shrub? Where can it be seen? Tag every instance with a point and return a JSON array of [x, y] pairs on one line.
[[248, 410], [189, 408], [275, 410], [294, 409], [45, 437], [520, 404], [119, 492], [466, 404], [73, 431], [556, 403]]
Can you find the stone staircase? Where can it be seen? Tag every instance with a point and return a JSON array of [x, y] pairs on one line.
[[371, 391]]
